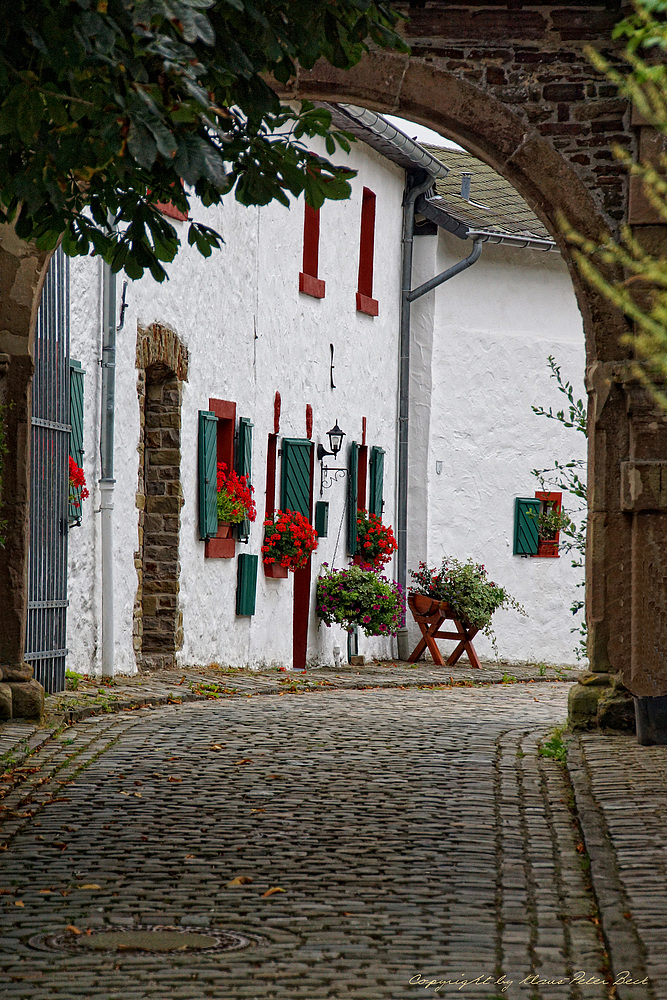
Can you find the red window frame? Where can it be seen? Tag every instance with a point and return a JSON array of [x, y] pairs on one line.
[[225, 411], [548, 549], [309, 283], [365, 301]]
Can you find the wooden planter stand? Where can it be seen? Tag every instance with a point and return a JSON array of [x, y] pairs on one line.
[[430, 615]]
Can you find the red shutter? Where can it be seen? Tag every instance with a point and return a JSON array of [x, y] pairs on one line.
[[365, 301], [309, 283]]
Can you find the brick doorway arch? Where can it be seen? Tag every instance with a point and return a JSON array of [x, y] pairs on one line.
[[158, 621], [515, 88]]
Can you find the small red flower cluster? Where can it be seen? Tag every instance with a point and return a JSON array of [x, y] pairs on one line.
[[289, 539], [235, 502], [77, 481], [376, 540]]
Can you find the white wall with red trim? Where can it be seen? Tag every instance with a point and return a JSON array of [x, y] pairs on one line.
[[479, 362], [249, 333]]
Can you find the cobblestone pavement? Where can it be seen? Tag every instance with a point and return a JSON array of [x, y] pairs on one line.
[[415, 835]]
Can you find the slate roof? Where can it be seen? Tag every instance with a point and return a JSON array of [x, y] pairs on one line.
[[494, 205]]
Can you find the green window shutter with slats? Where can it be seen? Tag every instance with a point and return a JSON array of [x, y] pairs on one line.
[[244, 467], [352, 495], [321, 518], [375, 498], [208, 474], [246, 584], [76, 374], [295, 479], [526, 512]]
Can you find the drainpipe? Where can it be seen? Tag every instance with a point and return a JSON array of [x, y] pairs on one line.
[[107, 480], [408, 296]]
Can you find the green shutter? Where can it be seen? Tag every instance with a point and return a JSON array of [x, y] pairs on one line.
[[76, 374], [246, 584], [321, 518], [525, 526], [295, 482], [208, 474], [375, 500], [244, 467], [352, 498]]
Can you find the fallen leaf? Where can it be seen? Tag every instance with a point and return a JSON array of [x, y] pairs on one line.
[[274, 776], [174, 779], [190, 856], [60, 844], [258, 810], [272, 891], [240, 880], [6, 892], [173, 758], [218, 746], [90, 885], [19, 902], [72, 929], [246, 760], [138, 782], [144, 837], [46, 892], [137, 795]]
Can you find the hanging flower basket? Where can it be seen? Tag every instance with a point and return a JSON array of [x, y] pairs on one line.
[[289, 540], [359, 597]]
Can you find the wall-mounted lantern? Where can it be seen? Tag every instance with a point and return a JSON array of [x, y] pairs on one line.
[[335, 436]]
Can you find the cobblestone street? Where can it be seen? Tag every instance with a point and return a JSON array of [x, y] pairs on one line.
[[379, 842]]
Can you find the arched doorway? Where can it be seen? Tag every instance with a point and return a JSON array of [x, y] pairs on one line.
[[553, 142]]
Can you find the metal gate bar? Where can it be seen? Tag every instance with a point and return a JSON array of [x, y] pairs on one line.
[[47, 566]]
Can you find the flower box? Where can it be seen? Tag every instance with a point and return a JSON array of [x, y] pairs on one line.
[[223, 544], [274, 571], [548, 548]]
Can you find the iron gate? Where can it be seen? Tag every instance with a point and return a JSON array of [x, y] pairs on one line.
[[47, 567]]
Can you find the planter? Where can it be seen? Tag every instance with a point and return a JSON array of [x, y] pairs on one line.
[[359, 560], [426, 606], [548, 549], [274, 571], [224, 529]]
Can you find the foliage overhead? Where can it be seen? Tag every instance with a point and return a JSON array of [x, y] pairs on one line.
[[109, 106], [642, 291]]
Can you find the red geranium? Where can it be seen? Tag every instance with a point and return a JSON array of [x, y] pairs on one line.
[[289, 539], [77, 484], [235, 502], [376, 541]]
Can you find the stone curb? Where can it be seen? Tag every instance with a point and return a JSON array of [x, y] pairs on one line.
[[622, 939]]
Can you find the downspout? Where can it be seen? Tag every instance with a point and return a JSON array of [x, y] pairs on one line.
[[411, 196], [107, 480], [408, 296]]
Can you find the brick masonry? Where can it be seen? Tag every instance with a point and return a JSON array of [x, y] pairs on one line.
[[158, 622]]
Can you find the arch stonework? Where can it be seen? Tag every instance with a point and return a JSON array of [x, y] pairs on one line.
[[514, 86], [535, 110]]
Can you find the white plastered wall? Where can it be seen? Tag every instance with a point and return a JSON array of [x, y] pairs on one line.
[[479, 362], [249, 332]]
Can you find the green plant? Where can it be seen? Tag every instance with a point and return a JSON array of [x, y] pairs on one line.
[[235, 502], [465, 586], [551, 521], [358, 596], [508, 679], [107, 107], [554, 748], [72, 680]]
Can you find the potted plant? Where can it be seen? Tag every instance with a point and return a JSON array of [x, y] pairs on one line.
[[463, 590], [77, 492], [376, 542], [289, 540], [550, 521], [358, 596], [235, 502]]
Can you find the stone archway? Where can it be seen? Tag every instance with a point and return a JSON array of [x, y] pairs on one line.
[[535, 110], [158, 622]]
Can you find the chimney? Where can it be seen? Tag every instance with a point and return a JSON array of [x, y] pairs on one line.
[[465, 185]]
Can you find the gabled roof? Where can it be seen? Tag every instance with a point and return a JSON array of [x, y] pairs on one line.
[[493, 204]]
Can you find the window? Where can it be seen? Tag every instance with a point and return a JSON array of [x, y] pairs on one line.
[[365, 301], [309, 283], [216, 444], [527, 512], [76, 374]]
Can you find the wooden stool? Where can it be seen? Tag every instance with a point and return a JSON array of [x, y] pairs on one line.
[[430, 615]]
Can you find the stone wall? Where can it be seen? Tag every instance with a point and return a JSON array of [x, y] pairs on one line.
[[158, 622]]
